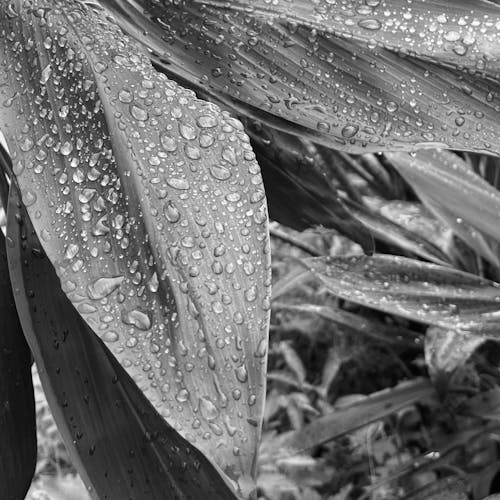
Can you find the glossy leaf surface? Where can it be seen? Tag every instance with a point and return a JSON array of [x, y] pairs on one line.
[[18, 448], [121, 446], [349, 74], [449, 182], [417, 290], [150, 205]]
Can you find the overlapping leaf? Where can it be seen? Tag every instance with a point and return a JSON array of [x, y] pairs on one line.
[[299, 193], [449, 182], [150, 204], [17, 404], [424, 292], [352, 75], [121, 446]]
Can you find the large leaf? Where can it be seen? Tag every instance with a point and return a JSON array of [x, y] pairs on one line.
[[355, 76], [417, 290], [122, 447], [17, 404], [150, 205]]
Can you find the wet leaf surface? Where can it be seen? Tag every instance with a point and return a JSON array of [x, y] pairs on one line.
[[17, 404], [150, 205], [352, 75], [420, 291], [451, 183], [121, 446]]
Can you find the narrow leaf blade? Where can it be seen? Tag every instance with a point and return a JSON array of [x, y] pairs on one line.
[[18, 449], [417, 290]]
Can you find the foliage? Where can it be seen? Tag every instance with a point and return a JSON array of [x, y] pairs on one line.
[[139, 254]]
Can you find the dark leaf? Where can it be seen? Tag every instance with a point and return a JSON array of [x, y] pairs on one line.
[[150, 205], [18, 448], [121, 446]]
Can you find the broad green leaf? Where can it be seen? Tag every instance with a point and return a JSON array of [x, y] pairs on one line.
[[17, 404], [449, 182], [347, 419], [316, 69], [150, 205], [417, 290], [121, 446]]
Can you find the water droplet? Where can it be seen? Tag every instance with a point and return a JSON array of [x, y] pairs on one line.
[[138, 113], [369, 24], [187, 131], [168, 142], [207, 121], [208, 409], [110, 336], [102, 287], [349, 131], [178, 183], [125, 96], [241, 373], [182, 396], [220, 173], [137, 318], [45, 76]]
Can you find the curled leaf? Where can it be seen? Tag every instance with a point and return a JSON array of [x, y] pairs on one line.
[[150, 205]]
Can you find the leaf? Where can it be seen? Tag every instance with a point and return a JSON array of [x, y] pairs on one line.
[[299, 193], [329, 72], [448, 181], [406, 226], [150, 205], [121, 446], [17, 403], [357, 323], [448, 488], [417, 290], [447, 350], [344, 420]]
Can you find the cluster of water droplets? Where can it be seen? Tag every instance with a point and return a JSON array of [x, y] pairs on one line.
[[344, 69], [150, 204]]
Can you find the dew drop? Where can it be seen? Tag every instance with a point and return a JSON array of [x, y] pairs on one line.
[[136, 318], [102, 287], [138, 113]]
